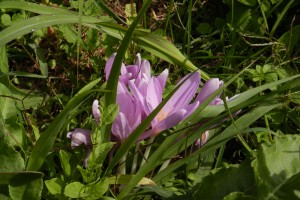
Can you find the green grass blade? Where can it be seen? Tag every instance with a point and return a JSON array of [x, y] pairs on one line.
[[212, 111], [110, 12], [33, 7], [233, 130], [164, 49], [46, 140], [112, 83], [32, 24], [280, 16]]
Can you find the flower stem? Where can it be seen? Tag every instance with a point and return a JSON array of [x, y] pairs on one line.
[[135, 158], [123, 164], [247, 147], [147, 151]]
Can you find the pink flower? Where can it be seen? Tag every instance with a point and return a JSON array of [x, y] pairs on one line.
[[81, 136], [208, 89], [128, 72], [129, 116], [176, 109]]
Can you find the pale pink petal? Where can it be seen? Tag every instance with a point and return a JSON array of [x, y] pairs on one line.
[[154, 93], [185, 93], [120, 127], [162, 78], [190, 109], [109, 64], [80, 136], [169, 121], [138, 60], [208, 89], [96, 111], [146, 68]]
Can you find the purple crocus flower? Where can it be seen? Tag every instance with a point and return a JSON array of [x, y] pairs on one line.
[[208, 89], [129, 116], [176, 109], [128, 72], [96, 111], [81, 136]]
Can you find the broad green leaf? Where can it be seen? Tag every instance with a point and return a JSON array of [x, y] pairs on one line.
[[55, 186], [240, 178], [109, 114], [21, 185], [277, 168], [69, 33], [46, 140], [7, 102], [10, 127], [64, 158], [11, 160], [77, 190], [289, 39], [99, 154], [26, 186], [5, 19], [99, 189]]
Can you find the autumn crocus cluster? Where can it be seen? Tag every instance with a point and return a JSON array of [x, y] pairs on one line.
[[139, 93]]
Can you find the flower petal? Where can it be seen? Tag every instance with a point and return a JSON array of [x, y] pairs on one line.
[[190, 109], [162, 79], [109, 64], [154, 95], [138, 60], [120, 127], [96, 111], [208, 89], [80, 136], [169, 121], [184, 94]]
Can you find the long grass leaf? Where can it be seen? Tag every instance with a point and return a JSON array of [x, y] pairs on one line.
[[234, 129], [33, 7], [23, 27]]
